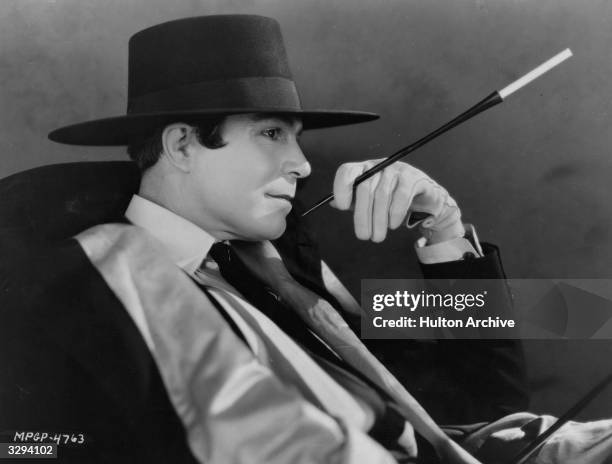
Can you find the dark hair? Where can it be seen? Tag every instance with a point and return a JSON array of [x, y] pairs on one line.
[[146, 152]]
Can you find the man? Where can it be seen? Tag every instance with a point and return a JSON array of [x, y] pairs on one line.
[[169, 348]]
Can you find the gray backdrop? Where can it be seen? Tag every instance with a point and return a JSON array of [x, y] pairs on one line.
[[532, 174]]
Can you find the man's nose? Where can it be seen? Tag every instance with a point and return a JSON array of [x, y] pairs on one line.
[[296, 164]]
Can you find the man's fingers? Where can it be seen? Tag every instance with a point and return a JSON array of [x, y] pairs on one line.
[[433, 201], [382, 200], [386, 200], [343, 184], [408, 187], [364, 203]]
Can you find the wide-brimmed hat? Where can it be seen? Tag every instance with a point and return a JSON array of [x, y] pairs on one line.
[[202, 68]]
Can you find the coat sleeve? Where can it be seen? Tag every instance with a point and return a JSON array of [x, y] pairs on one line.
[[463, 363], [233, 408]]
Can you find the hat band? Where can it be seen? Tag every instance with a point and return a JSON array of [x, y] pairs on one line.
[[268, 93]]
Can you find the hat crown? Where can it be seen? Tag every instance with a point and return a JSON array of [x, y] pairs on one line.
[[205, 49], [203, 68]]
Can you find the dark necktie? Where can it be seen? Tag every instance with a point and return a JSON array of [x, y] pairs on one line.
[[388, 426], [263, 298]]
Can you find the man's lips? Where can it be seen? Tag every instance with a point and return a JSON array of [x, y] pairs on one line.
[[280, 196]]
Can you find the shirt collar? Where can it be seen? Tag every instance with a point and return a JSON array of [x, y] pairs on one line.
[[186, 243]]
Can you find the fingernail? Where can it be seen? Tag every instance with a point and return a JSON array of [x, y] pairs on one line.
[[428, 222]]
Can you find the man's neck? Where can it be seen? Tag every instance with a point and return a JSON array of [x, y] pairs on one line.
[[186, 243], [168, 191]]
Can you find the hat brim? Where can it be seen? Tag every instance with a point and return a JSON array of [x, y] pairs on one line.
[[123, 130]]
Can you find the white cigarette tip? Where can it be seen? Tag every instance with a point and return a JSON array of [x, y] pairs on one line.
[[535, 73]]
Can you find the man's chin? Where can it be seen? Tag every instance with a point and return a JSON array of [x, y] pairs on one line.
[[267, 231], [274, 233], [280, 232]]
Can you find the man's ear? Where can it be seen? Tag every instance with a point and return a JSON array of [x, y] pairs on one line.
[[176, 139]]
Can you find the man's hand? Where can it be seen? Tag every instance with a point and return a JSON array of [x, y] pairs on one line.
[[385, 200]]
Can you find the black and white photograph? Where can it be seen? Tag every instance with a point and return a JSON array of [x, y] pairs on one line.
[[306, 231]]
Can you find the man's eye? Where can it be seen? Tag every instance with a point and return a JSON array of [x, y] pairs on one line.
[[273, 133]]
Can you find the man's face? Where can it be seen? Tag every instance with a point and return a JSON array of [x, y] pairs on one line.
[[244, 189]]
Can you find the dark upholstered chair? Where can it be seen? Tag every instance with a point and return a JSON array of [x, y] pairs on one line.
[[50, 203]]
